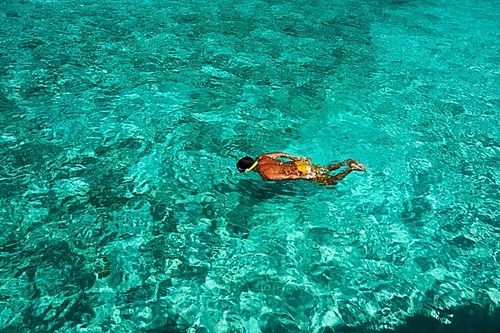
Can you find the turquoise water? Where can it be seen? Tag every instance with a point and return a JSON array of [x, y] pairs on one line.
[[122, 209]]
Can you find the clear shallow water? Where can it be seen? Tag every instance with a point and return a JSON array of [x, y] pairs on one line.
[[122, 211]]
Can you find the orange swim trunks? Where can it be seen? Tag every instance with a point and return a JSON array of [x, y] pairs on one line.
[[311, 171]]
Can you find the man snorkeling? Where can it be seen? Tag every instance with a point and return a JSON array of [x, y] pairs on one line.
[[270, 167]]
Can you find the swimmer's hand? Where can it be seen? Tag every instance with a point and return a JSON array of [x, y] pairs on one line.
[[299, 158], [284, 155]]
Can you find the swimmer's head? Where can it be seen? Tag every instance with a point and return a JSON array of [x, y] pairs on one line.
[[245, 164]]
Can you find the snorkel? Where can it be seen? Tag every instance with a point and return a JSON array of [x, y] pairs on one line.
[[253, 166]]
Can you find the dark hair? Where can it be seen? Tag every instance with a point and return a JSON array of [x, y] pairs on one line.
[[245, 163]]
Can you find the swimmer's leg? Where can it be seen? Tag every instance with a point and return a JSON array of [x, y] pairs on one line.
[[353, 166], [352, 163], [334, 179], [332, 167]]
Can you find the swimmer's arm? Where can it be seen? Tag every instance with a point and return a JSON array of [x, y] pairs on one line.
[[278, 155]]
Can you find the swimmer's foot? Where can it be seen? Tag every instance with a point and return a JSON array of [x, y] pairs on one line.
[[356, 166]]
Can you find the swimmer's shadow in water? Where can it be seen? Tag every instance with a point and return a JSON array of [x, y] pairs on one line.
[[265, 190]]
